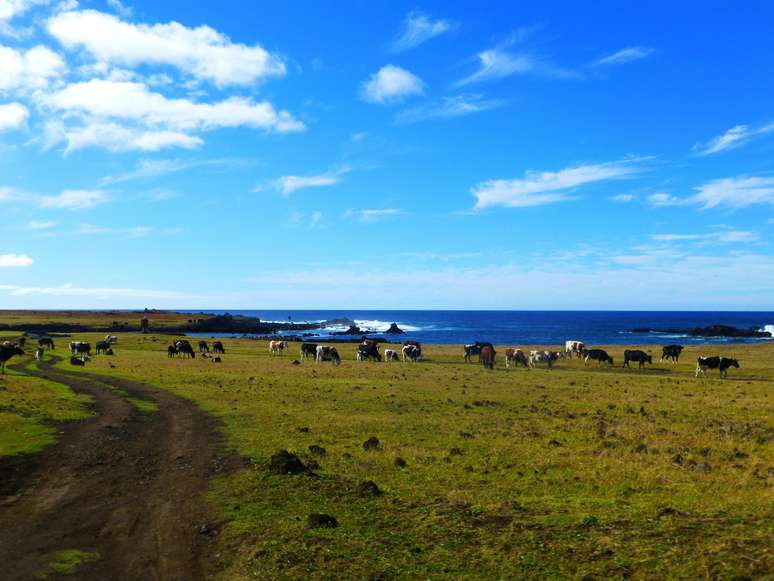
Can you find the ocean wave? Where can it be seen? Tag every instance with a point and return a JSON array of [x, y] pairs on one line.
[[768, 329]]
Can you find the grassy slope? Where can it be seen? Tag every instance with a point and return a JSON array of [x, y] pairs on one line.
[[608, 500]]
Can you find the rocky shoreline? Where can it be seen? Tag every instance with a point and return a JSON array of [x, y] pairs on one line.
[[710, 331]]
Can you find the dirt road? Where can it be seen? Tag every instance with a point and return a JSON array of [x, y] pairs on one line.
[[126, 484]]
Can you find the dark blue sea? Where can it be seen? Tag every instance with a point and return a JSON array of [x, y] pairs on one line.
[[530, 327]]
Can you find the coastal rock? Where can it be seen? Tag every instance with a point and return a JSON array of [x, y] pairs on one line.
[[394, 330], [710, 331]]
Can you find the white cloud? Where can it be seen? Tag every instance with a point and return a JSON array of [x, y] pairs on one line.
[[286, 185], [74, 199], [734, 137], [372, 215], [26, 71], [626, 55], [15, 260], [623, 198], [117, 138], [735, 193], [120, 8], [448, 107], [498, 63], [201, 52], [418, 28], [664, 199], [391, 84], [10, 9], [152, 168], [538, 188], [134, 102], [42, 224], [727, 235], [13, 116]]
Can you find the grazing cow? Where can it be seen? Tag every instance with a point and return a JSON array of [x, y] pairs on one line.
[[639, 357], [487, 356], [277, 347], [547, 357], [327, 354], [111, 339], [390, 355], [102, 347], [203, 347], [368, 351], [77, 361], [720, 363], [515, 356], [475, 349], [6, 353], [598, 355], [39, 353], [671, 352], [308, 350], [184, 348], [217, 347], [574, 348], [80, 348], [171, 351], [46, 342], [414, 344], [411, 353]]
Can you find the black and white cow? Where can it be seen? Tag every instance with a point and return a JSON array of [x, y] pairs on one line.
[[308, 350], [185, 349], [411, 353], [327, 354], [390, 355], [598, 355], [368, 351], [671, 352], [80, 348], [414, 344], [475, 349], [639, 357], [720, 363]]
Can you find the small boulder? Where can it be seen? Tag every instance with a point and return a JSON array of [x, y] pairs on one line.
[[455, 452], [317, 450], [399, 462], [303, 430], [369, 489], [320, 520], [371, 443], [703, 467], [284, 462], [295, 362]]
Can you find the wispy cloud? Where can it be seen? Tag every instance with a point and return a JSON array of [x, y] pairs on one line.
[[731, 139], [539, 188], [448, 107], [371, 215], [42, 224], [727, 236], [661, 199], [15, 260], [287, 185], [153, 168], [417, 28], [624, 198], [391, 84], [735, 193], [75, 199], [626, 55], [132, 232]]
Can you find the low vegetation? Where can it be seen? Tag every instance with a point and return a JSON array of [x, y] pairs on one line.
[[518, 473]]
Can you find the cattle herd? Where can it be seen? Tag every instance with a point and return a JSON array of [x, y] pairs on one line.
[[368, 350]]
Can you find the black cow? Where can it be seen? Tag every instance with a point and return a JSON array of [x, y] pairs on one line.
[[80, 348], [598, 355], [186, 350], [327, 354], [203, 347], [171, 351], [368, 351], [639, 357], [308, 350], [77, 361], [102, 347], [46, 342], [720, 363], [217, 347], [671, 352], [475, 349], [6, 353]]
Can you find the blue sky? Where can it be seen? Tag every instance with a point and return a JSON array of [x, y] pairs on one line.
[[386, 155]]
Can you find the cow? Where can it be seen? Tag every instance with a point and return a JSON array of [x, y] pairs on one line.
[[368, 351], [475, 349], [487, 356], [366, 341], [671, 352], [574, 348], [217, 347], [80, 362], [639, 357], [598, 355], [515, 356], [171, 351], [111, 339], [547, 357], [414, 344], [102, 347], [80, 348], [6, 353], [390, 355], [327, 354], [720, 363], [39, 353], [277, 347], [184, 348], [203, 347], [411, 353], [308, 350], [46, 342]]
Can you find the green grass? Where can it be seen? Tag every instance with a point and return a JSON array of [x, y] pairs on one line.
[[66, 562], [28, 409], [558, 474]]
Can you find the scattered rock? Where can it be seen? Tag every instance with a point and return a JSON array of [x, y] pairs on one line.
[[371, 443], [466, 436], [303, 430], [677, 459], [399, 462], [295, 362], [369, 489], [554, 443], [703, 467], [317, 450], [455, 452], [283, 462], [669, 511], [640, 448], [313, 465], [320, 520], [589, 522]]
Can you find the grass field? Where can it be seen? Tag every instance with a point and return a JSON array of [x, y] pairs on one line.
[[573, 472]]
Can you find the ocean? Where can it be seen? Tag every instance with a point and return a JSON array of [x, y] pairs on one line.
[[531, 327]]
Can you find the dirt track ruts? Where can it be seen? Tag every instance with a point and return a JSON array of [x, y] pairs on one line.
[[127, 484]]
